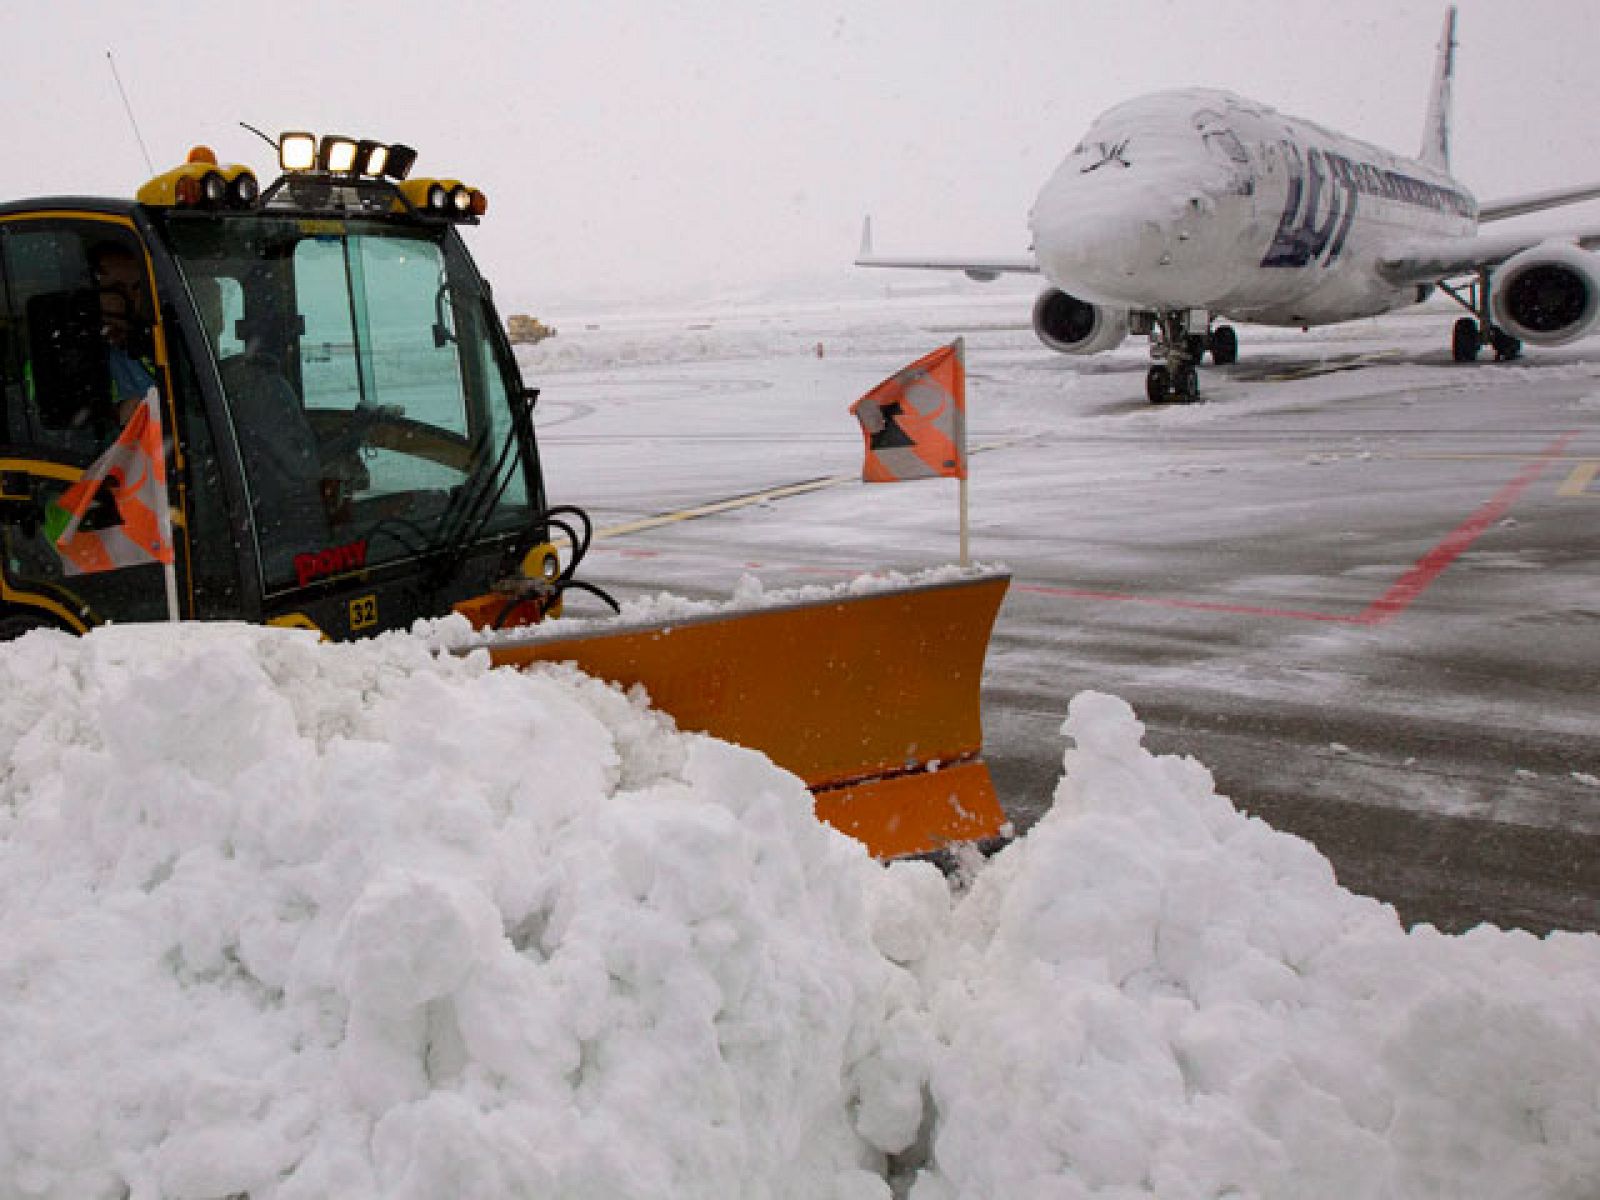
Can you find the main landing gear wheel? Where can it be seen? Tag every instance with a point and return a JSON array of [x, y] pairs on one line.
[[1224, 345], [1472, 334], [1506, 347], [1158, 385]]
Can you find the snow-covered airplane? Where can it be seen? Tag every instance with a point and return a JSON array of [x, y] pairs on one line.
[[1183, 207]]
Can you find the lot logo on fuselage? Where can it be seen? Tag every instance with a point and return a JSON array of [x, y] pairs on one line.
[[1325, 189], [1311, 226]]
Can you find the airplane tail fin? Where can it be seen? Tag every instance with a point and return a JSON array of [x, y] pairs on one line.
[[1436, 133]]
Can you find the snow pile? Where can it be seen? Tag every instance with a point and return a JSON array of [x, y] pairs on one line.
[[1156, 995], [843, 323], [299, 920], [629, 344], [309, 921]]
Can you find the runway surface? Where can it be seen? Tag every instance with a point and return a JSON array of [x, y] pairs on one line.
[[1360, 582]]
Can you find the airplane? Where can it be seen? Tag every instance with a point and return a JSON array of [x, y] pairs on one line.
[[1182, 207]]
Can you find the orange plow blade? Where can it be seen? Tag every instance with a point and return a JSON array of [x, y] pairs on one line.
[[872, 699]]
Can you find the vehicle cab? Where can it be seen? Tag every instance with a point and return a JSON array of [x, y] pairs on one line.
[[346, 439]]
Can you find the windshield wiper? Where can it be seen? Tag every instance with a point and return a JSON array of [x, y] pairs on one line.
[[469, 512]]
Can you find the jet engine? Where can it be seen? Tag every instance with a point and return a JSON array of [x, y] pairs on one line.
[[1547, 295], [1072, 326]]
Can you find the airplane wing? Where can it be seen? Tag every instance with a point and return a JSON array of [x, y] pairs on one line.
[[1433, 260], [982, 269], [1517, 206]]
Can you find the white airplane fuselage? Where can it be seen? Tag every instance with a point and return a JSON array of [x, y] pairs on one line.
[[1202, 200], [1181, 208]]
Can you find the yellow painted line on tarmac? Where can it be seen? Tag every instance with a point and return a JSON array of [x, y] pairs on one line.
[[722, 506], [1577, 483], [764, 496]]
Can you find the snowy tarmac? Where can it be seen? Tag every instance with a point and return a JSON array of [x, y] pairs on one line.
[[1358, 582]]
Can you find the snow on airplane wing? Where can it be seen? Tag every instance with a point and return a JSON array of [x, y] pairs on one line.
[[1432, 260], [986, 268]]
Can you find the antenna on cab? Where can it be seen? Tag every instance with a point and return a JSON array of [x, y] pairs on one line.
[[269, 141], [129, 109]]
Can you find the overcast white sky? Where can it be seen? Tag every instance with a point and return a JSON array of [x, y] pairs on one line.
[[684, 147]]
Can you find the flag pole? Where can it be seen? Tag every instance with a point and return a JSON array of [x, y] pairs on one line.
[[172, 591], [965, 562], [961, 360], [164, 509]]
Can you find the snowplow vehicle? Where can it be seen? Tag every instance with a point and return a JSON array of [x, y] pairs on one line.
[[296, 405]]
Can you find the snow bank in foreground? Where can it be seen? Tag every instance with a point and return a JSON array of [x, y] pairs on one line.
[[312, 921], [302, 920], [1155, 995]]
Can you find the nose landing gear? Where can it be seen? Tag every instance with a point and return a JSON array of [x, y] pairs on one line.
[[1176, 379], [1172, 385]]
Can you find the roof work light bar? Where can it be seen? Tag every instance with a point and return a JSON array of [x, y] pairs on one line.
[[300, 152]]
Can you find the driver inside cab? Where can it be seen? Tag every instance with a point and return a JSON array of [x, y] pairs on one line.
[[280, 453], [125, 321]]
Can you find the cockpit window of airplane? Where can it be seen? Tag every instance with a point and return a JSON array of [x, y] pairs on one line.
[[1220, 139]]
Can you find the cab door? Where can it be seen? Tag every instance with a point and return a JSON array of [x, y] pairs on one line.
[[81, 338]]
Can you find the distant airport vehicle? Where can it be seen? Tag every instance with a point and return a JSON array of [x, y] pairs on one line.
[[1181, 207], [524, 330]]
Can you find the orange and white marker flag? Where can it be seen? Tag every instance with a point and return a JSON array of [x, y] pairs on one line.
[[134, 468], [915, 422]]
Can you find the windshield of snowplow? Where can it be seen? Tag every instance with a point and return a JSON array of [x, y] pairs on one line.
[[368, 403]]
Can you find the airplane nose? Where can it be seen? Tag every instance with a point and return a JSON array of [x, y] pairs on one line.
[[1108, 237], [1100, 246]]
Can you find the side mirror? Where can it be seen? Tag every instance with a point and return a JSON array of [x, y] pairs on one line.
[[443, 334]]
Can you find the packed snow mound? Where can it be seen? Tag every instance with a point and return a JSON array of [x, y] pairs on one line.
[[297, 920], [1153, 994], [301, 920]]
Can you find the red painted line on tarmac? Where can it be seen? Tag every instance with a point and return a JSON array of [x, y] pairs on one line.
[[1429, 567], [1393, 602]]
